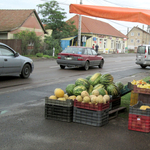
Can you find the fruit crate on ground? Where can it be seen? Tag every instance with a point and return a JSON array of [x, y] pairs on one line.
[[139, 123], [115, 103], [60, 113], [145, 98], [67, 103], [90, 117], [97, 107], [134, 98], [135, 109], [138, 89]]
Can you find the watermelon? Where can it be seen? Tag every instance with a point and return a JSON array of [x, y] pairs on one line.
[[112, 90], [90, 89], [69, 89], [82, 81], [78, 90], [98, 86], [95, 79], [119, 85], [88, 77], [102, 91], [106, 79]]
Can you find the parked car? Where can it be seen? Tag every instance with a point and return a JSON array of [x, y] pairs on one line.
[[77, 56], [12, 63], [143, 56]]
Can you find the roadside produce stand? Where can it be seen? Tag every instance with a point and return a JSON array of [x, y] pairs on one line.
[[95, 100]]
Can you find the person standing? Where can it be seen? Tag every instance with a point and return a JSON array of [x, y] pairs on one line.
[[93, 46], [96, 48]]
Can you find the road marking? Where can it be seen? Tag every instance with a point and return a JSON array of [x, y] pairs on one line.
[[54, 67]]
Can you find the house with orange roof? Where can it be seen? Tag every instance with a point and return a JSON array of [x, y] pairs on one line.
[[14, 21], [97, 32]]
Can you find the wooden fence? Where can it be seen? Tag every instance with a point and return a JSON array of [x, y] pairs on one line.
[[13, 43]]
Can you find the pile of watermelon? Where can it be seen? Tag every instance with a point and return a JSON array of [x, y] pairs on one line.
[[103, 83]]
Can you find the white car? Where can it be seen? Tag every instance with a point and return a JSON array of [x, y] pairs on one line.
[[143, 56], [12, 63]]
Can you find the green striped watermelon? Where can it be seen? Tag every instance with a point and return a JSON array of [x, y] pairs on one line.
[[95, 79], [69, 89], [90, 89], [88, 77], [119, 85], [102, 91], [106, 79], [82, 81], [78, 89], [112, 90], [98, 86]]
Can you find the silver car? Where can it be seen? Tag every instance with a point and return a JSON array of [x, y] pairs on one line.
[[143, 56], [12, 63]]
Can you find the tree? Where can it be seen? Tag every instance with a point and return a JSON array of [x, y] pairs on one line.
[[28, 37], [53, 17]]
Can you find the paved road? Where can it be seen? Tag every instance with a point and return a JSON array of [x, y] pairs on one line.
[[23, 126]]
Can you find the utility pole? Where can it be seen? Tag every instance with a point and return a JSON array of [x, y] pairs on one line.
[[79, 28]]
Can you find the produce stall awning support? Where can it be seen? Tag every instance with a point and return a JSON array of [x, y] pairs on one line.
[[113, 13]]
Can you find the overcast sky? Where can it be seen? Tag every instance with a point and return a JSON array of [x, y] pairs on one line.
[[120, 25]]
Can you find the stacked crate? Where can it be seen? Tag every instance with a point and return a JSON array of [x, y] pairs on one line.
[[115, 103], [139, 120], [59, 110], [91, 114]]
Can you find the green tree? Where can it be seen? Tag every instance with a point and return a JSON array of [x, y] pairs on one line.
[[50, 44], [53, 16], [28, 37]]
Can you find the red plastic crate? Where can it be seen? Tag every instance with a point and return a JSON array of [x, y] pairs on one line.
[[139, 123], [98, 107]]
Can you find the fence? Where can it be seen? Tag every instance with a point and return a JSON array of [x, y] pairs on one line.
[[13, 43]]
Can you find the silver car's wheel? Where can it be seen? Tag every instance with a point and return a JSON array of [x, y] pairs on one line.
[[86, 67], [25, 73], [101, 64]]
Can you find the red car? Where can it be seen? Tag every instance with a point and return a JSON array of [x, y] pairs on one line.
[[77, 56]]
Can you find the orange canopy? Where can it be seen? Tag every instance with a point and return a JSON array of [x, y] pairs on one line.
[[114, 13]]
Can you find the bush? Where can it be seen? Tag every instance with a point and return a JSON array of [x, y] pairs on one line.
[[46, 56], [39, 54]]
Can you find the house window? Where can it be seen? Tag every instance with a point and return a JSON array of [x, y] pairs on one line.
[[132, 40], [112, 44], [105, 43], [138, 41], [138, 34], [100, 43], [132, 33]]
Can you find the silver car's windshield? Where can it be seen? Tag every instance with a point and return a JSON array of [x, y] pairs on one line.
[[73, 50], [141, 49]]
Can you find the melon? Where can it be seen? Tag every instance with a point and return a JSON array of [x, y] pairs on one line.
[[99, 99], [52, 97], [79, 98], [95, 92], [58, 92], [86, 99], [61, 98], [84, 93]]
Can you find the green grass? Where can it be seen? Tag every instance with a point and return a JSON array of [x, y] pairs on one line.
[[125, 101]]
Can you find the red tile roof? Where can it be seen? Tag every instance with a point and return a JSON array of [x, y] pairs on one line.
[[13, 19], [97, 27]]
